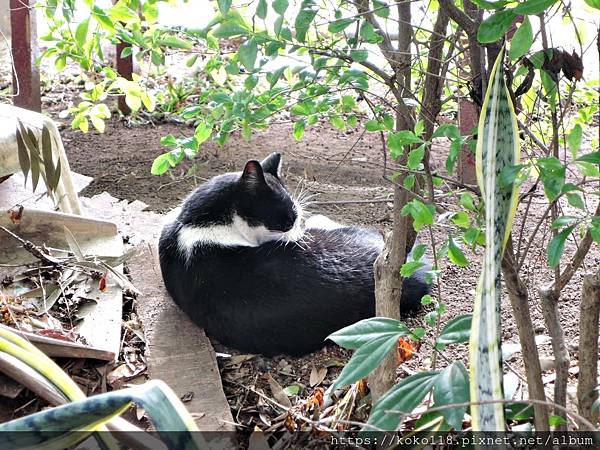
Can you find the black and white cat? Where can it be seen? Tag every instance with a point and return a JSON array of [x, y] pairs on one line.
[[238, 261]]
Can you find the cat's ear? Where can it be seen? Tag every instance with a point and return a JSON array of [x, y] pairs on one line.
[[253, 173], [272, 164]]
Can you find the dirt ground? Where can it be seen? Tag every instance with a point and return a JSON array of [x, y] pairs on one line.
[[344, 171]]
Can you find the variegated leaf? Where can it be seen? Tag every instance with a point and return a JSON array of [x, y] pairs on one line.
[[497, 148]]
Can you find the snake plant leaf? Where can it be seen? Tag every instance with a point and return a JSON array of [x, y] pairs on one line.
[[497, 148], [69, 424], [18, 347]]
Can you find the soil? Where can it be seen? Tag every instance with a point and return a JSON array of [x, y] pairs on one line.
[[344, 171]]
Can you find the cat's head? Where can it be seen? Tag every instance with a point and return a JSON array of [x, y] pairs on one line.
[[263, 200]]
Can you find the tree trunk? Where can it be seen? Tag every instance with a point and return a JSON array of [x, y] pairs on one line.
[[588, 347], [517, 293], [549, 300], [388, 282]]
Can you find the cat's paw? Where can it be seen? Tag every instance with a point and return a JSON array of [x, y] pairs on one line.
[[321, 222]]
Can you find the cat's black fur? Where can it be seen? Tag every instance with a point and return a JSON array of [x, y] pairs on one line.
[[275, 297]]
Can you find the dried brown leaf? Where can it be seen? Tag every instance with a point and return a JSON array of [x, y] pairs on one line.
[[317, 376]]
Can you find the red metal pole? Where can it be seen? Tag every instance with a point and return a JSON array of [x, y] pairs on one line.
[[26, 74], [124, 69]]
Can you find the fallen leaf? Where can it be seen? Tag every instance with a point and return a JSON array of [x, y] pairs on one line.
[[123, 373], [258, 441], [239, 359], [56, 334], [102, 282], [362, 387], [317, 376], [316, 398], [292, 390], [278, 393], [405, 351], [16, 213], [187, 397]]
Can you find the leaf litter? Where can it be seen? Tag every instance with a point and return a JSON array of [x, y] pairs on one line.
[[50, 297]]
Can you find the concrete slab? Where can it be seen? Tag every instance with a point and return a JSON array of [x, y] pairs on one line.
[[177, 352]]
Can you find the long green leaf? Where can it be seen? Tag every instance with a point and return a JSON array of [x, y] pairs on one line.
[[400, 400], [23, 350], [355, 335], [366, 359], [497, 148], [67, 425]]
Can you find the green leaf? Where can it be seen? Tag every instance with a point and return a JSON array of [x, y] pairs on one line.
[[366, 359], [381, 9], [175, 42], [417, 252], [593, 158], [308, 11], [340, 25], [60, 62], [373, 125], [455, 254], [466, 201], [275, 76], [47, 156], [552, 173], [448, 130], [415, 157], [368, 33], [456, 331], [121, 12], [461, 219], [563, 221], [299, 128], [359, 55], [224, 6], [554, 421], [522, 40], [593, 3], [247, 53], [102, 17], [338, 122], [556, 246], [59, 424], [485, 4], [421, 213], [229, 29], [410, 267], [292, 390], [401, 399], [575, 200], [519, 411], [356, 335], [250, 82], [494, 27], [508, 176], [161, 164], [202, 132], [533, 6], [23, 155], [280, 6], [81, 32], [452, 386], [261, 9], [574, 140]]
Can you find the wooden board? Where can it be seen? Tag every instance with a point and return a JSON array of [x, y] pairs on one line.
[[177, 352]]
